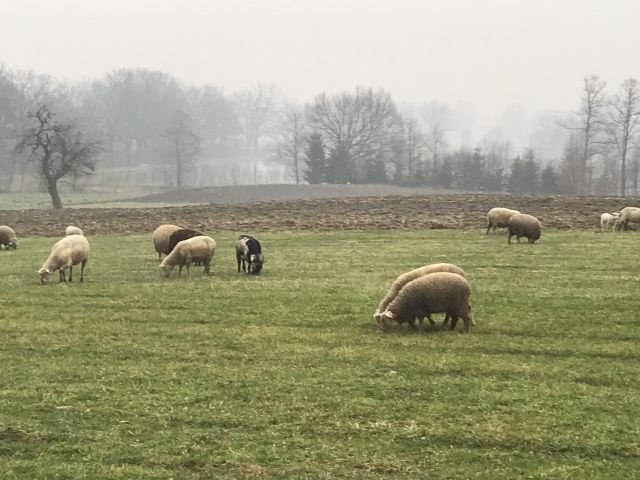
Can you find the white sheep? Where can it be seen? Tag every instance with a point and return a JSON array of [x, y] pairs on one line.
[[405, 278], [161, 236], [66, 253], [8, 237], [609, 221], [523, 225], [499, 217], [439, 292], [628, 214], [71, 230], [194, 249]]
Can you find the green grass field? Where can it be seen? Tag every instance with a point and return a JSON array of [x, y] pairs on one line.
[[284, 375]]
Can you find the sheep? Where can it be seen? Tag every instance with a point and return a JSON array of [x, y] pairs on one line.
[[249, 251], [499, 217], [66, 253], [8, 237], [628, 214], [523, 225], [438, 292], [609, 221], [182, 234], [71, 230], [405, 278], [161, 236], [200, 248]]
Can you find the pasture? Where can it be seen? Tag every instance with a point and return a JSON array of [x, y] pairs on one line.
[[284, 375]]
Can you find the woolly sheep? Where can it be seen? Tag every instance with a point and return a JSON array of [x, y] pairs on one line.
[[200, 248], [439, 292], [523, 225], [405, 278], [71, 230], [499, 217], [609, 221], [628, 214], [8, 237], [249, 254], [66, 253], [161, 237]]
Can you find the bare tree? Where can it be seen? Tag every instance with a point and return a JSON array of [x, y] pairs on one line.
[[622, 124], [356, 127], [256, 108], [59, 149], [292, 137], [184, 144], [589, 124], [413, 147], [436, 116]]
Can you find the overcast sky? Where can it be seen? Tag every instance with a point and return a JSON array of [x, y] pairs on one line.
[[494, 53]]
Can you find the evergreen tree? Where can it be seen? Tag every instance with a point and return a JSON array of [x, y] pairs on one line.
[[315, 159], [549, 181], [339, 166]]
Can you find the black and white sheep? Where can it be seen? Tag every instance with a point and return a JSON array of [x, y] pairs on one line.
[[161, 236], [628, 215], [66, 253], [439, 292], [8, 237], [407, 277], [249, 254], [523, 225], [194, 249], [499, 217]]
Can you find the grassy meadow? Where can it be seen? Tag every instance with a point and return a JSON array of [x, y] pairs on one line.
[[284, 375]]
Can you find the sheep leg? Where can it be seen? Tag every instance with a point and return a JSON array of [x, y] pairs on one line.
[[71, 273], [431, 322], [467, 323], [180, 270], [454, 322], [62, 277], [509, 240], [488, 228], [239, 260], [84, 262], [205, 270], [446, 320]]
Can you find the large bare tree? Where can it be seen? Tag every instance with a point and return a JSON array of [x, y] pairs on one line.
[[589, 124], [59, 150], [622, 124], [292, 132], [184, 144], [356, 126], [256, 111]]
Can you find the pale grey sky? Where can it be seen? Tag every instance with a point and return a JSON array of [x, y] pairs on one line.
[[494, 53]]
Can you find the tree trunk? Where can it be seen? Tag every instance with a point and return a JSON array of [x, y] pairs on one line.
[[52, 187]]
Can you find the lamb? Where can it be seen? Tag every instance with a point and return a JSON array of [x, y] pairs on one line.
[[161, 236], [523, 225], [609, 221], [71, 230], [499, 217], [249, 252], [66, 253], [439, 292], [200, 248], [405, 278], [628, 214], [8, 237]]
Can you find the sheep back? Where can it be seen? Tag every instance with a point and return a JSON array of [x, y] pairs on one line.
[[407, 277], [438, 292], [71, 230], [499, 217], [161, 236], [523, 225], [8, 237]]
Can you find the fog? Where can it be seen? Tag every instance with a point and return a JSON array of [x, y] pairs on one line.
[[503, 68]]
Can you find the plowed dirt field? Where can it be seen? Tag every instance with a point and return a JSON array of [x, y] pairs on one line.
[[377, 212]]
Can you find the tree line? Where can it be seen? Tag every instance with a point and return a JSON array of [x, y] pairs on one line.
[[144, 120]]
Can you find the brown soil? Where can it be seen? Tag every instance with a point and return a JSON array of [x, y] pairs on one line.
[[389, 212]]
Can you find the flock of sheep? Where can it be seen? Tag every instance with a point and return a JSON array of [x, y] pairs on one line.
[[435, 288]]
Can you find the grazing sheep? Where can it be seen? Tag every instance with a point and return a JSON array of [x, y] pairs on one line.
[[66, 253], [161, 236], [499, 217], [439, 292], [200, 248], [628, 214], [523, 225], [405, 278], [609, 221], [8, 237], [71, 230], [249, 251]]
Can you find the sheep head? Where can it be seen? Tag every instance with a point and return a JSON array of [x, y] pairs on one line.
[[44, 275], [384, 319]]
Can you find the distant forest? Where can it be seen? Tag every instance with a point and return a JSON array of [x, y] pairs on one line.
[[138, 127]]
